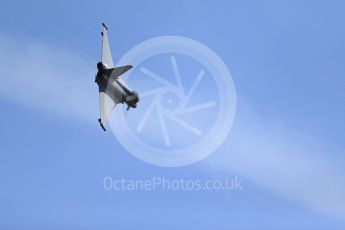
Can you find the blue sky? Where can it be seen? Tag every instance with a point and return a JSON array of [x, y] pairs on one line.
[[286, 144]]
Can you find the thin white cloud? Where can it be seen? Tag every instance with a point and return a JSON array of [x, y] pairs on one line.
[[57, 81], [294, 165]]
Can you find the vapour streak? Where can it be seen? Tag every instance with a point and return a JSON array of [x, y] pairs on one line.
[[49, 79], [288, 162]]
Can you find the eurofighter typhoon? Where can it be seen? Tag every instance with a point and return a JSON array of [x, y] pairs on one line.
[[112, 90]]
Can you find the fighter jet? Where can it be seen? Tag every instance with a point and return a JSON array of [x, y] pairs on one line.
[[112, 90]]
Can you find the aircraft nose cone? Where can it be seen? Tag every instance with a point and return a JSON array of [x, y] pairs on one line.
[[170, 101]]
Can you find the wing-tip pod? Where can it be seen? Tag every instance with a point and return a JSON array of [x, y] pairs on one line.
[[104, 26], [101, 124]]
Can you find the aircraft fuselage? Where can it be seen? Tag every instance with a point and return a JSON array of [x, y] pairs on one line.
[[114, 87]]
